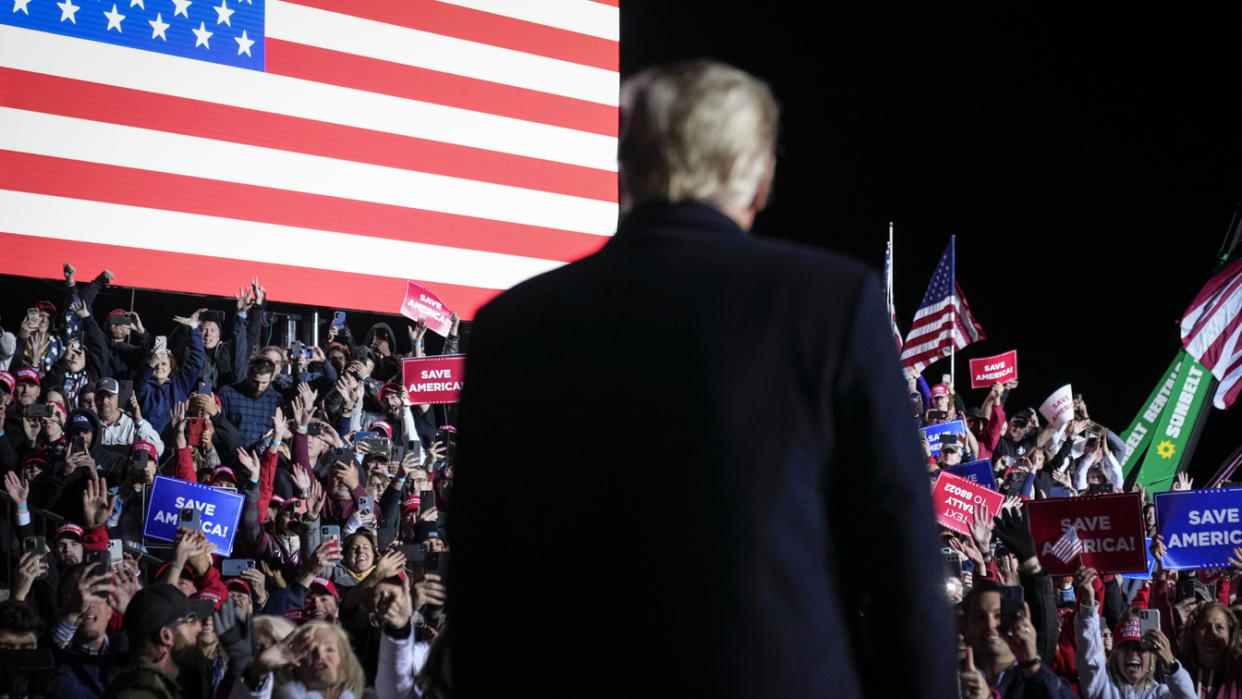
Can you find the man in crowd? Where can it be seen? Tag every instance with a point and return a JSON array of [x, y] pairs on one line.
[[163, 626], [120, 430], [750, 580], [250, 405]]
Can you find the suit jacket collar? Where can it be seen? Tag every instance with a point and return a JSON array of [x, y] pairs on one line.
[[685, 218]]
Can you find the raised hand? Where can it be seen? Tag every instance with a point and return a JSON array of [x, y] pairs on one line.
[[328, 554], [1183, 481], [389, 563], [1084, 586], [258, 583], [429, 591], [972, 682], [260, 294], [249, 462], [393, 605], [125, 585], [17, 488], [97, 504], [280, 428], [190, 321], [314, 499], [69, 274], [29, 567], [301, 479], [244, 300], [456, 323], [347, 473]]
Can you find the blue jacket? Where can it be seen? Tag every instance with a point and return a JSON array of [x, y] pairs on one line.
[[157, 399]]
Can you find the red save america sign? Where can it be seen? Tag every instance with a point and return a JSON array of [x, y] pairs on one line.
[[955, 499], [433, 379], [421, 304], [1109, 529], [989, 371]]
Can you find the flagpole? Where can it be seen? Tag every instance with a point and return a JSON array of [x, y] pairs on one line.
[[953, 313]]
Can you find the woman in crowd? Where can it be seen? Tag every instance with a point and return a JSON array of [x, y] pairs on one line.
[[1210, 647], [321, 661], [1129, 669]]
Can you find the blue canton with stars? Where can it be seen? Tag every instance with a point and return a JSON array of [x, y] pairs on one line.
[[941, 285], [219, 31]]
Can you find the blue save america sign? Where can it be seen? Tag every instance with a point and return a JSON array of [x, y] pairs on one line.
[[1200, 527], [935, 432], [219, 511], [978, 471]]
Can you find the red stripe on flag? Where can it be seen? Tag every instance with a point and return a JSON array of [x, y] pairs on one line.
[[124, 106], [385, 77], [610, 3], [77, 179], [484, 28], [1222, 298], [1212, 353], [219, 276]]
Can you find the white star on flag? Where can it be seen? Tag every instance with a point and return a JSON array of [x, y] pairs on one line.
[[183, 8], [68, 11], [243, 44], [138, 3], [1068, 546], [223, 13], [21, 5], [158, 26], [114, 19], [202, 35]]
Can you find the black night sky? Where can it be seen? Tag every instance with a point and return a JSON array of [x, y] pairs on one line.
[[1089, 163]]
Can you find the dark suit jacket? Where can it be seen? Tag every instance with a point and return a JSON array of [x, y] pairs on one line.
[[686, 467]]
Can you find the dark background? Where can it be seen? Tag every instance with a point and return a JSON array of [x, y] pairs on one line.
[[1089, 163]]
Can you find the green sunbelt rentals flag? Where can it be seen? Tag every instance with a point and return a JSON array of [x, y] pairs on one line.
[[1169, 438], [1138, 434]]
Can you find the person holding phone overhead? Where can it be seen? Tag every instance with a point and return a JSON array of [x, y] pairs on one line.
[[1129, 669], [161, 383]]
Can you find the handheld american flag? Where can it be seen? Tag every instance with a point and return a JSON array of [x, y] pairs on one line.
[[943, 322], [1068, 546], [334, 148], [1212, 331]]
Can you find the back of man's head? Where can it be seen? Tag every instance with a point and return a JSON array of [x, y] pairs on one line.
[[698, 130]]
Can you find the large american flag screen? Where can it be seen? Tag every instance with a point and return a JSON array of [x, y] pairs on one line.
[[334, 148]]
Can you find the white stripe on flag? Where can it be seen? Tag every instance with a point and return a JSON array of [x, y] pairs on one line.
[[107, 64], [92, 141], [139, 227], [364, 37], [584, 17]]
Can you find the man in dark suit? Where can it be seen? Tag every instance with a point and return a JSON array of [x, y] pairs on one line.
[[686, 465]]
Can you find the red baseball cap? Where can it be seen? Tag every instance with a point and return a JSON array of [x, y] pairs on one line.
[[325, 585], [239, 584], [8, 380], [222, 472], [28, 374], [939, 390], [148, 447], [383, 425], [410, 503], [389, 388], [69, 529]]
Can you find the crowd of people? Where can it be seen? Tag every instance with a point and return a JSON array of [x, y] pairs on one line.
[[336, 582], [1079, 635]]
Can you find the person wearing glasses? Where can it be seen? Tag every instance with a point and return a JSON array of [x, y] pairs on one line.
[[163, 627]]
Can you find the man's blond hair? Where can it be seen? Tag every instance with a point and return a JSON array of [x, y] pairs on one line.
[[697, 130]]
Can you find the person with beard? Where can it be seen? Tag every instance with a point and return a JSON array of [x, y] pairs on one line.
[[250, 405], [319, 657], [1129, 669], [163, 626]]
